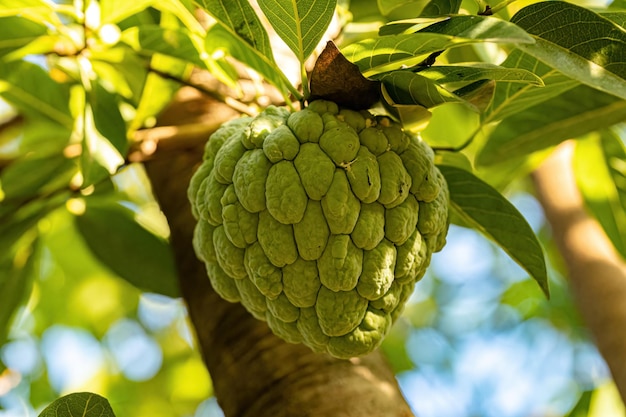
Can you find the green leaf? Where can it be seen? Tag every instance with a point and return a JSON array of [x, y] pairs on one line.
[[40, 11], [241, 33], [525, 298], [300, 23], [408, 9], [122, 68], [406, 87], [572, 114], [485, 28], [600, 168], [115, 237], [30, 88], [475, 71], [29, 176], [615, 154], [481, 206], [406, 26], [184, 11], [512, 98], [425, 86], [441, 7], [107, 117], [451, 127], [18, 222], [618, 18], [15, 282], [578, 42], [113, 11], [16, 32], [581, 409], [219, 38], [478, 94], [455, 159], [390, 52], [99, 157], [177, 43], [79, 404], [401, 9], [240, 19], [157, 92], [40, 138]]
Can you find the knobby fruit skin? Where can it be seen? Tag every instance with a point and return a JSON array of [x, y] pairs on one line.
[[319, 222]]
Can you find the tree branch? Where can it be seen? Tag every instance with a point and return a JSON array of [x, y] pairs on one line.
[[597, 274]]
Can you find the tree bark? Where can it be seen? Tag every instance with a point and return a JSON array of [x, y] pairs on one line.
[[254, 373], [597, 274]]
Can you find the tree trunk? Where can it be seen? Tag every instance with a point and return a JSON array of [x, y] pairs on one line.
[[597, 274], [254, 373]]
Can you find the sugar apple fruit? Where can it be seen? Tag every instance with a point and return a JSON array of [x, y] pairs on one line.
[[318, 221]]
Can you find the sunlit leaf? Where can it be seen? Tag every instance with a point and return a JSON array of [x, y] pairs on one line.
[[572, 114], [455, 159], [427, 86], [300, 23], [113, 11], [411, 116], [512, 98], [30, 88], [586, 46], [184, 11], [406, 26], [40, 11], [606, 401], [484, 28], [41, 45], [157, 90], [478, 94], [79, 404], [524, 297], [240, 19], [42, 138], [391, 52], [615, 153], [451, 127], [99, 157], [241, 34], [220, 38], [467, 72], [581, 409], [16, 32], [177, 43], [15, 282], [481, 206], [401, 9], [107, 117], [30, 176], [441, 7], [618, 18], [407, 87], [600, 168], [122, 68], [115, 237], [17, 222]]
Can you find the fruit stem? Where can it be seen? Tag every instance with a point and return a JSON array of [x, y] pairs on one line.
[[305, 82]]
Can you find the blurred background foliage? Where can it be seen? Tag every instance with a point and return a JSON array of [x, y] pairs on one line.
[[478, 338]]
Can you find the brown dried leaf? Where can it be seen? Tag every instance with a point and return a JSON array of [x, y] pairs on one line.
[[336, 79]]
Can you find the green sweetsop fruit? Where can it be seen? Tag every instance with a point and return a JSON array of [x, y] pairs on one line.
[[319, 222]]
